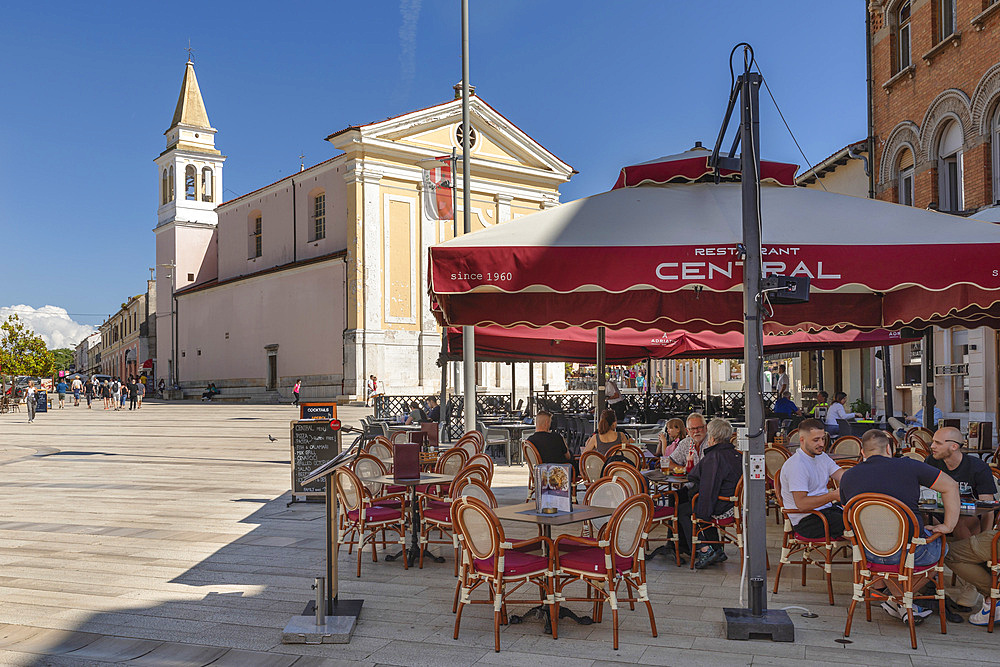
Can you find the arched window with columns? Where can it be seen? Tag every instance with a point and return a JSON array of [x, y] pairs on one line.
[[190, 183], [164, 188], [207, 178], [949, 164], [170, 185], [904, 177], [995, 152]]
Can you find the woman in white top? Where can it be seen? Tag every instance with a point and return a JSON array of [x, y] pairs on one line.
[[836, 412]]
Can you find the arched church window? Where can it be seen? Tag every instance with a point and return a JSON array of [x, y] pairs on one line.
[[995, 140], [164, 188], [904, 170], [190, 176], [170, 185], [206, 184], [949, 154]]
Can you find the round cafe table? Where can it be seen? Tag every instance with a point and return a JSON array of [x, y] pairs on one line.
[[413, 552]]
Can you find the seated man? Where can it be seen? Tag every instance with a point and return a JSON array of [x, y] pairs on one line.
[[551, 446], [822, 405], [918, 419], [804, 478], [433, 409], [901, 478], [416, 414], [784, 407], [969, 548]]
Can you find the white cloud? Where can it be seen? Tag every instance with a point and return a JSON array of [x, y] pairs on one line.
[[410, 12], [52, 323]]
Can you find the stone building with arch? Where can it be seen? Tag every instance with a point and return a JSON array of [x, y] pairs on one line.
[[935, 103], [322, 275]]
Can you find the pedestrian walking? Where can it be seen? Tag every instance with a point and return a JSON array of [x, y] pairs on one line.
[[133, 394], [29, 400], [371, 385], [88, 391], [76, 387], [106, 393], [61, 389], [116, 393], [141, 389], [295, 391]]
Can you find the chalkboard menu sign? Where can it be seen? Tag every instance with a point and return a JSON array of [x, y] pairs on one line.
[[318, 411], [313, 444]]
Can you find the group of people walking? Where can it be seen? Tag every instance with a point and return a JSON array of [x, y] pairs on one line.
[[115, 393]]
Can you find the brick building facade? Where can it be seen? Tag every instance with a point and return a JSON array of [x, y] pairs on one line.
[[935, 105]]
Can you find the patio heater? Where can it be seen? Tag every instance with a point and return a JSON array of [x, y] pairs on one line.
[[756, 620]]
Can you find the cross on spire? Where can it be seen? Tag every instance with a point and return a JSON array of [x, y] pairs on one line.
[[302, 162], [190, 51]]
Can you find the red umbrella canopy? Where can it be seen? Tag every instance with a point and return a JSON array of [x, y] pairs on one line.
[[625, 346], [666, 254]]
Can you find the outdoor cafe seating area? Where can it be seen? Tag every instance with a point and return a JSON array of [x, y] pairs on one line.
[[594, 560]]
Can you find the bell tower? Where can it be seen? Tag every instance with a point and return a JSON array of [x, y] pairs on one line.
[[189, 188]]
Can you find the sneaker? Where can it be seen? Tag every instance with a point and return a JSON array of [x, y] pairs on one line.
[[894, 610], [982, 617], [706, 558]]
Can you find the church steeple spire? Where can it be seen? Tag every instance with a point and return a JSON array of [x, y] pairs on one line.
[[190, 108]]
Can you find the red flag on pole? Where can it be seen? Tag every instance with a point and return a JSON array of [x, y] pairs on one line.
[[437, 190]]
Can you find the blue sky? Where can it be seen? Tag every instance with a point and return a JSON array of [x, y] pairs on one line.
[[90, 88]]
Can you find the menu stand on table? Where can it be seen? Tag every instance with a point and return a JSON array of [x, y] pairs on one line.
[[413, 552]]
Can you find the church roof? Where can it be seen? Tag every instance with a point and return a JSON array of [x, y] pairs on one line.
[[190, 107]]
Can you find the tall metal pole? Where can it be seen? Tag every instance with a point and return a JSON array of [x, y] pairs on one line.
[[468, 333], [887, 381], [753, 342], [602, 380], [443, 422], [927, 378]]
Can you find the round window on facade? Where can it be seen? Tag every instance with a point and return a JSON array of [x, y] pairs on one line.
[[459, 132]]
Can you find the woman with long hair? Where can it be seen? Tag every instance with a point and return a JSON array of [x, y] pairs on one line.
[[607, 435], [671, 435]]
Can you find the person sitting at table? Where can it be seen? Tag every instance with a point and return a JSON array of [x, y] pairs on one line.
[[918, 419], [607, 435], [901, 478], [433, 409], [716, 474], [416, 415], [804, 480], [822, 405], [551, 446], [672, 434], [784, 407], [691, 448], [837, 411]]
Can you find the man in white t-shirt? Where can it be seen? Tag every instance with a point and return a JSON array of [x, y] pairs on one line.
[[804, 478], [781, 384], [615, 399]]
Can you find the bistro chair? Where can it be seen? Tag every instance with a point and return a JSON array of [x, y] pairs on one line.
[[847, 445], [793, 438], [366, 515], [924, 434], [591, 465], [914, 453], [616, 555], [774, 457], [450, 462], [664, 502], [818, 551], [730, 528], [631, 453], [532, 458], [472, 444], [881, 525], [994, 565], [628, 475], [482, 460], [915, 443], [435, 511], [381, 449], [399, 436], [604, 492], [490, 560]]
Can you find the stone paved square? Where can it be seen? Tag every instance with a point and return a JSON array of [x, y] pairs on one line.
[[162, 537]]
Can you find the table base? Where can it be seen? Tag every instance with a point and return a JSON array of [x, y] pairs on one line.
[[541, 612], [413, 556]]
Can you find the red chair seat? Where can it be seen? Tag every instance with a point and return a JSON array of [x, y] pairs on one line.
[[438, 514], [728, 521], [395, 489], [662, 511], [515, 564], [437, 504], [375, 514], [591, 559], [894, 567], [816, 540]]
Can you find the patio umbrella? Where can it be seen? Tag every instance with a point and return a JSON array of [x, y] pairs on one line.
[[666, 253], [626, 346]]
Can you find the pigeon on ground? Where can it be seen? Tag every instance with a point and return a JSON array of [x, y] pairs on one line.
[[271, 438]]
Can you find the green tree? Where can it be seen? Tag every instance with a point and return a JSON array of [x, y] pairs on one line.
[[63, 358], [22, 351]]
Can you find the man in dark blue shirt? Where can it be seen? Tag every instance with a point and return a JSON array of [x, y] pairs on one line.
[[784, 407], [901, 478]]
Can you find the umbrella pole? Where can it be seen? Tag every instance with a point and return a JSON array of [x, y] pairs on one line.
[[927, 377], [602, 395], [468, 333], [513, 387], [443, 403], [708, 388], [887, 382], [649, 383], [531, 388], [742, 623]]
